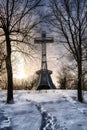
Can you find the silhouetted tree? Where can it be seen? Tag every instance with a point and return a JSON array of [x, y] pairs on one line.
[[33, 82], [68, 19], [65, 78], [15, 26]]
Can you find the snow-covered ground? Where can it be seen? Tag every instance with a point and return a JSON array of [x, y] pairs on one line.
[[43, 110]]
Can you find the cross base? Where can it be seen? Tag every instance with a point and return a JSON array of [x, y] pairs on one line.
[[44, 80]]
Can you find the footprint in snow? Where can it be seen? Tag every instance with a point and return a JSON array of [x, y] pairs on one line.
[[49, 122]]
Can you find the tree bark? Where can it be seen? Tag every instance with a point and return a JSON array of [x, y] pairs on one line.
[[80, 96], [79, 92], [9, 70]]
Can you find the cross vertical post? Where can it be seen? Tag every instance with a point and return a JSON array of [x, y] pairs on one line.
[[45, 81]]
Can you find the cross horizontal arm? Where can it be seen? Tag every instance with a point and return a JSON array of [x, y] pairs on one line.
[[46, 40]]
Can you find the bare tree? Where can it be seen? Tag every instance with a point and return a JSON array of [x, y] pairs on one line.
[[68, 18], [15, 26], [66, 78], [62, 78]]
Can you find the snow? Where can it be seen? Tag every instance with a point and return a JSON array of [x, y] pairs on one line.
[[43, 110]]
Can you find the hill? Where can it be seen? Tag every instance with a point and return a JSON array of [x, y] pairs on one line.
[[43, 110]]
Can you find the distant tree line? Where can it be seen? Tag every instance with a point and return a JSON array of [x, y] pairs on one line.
[[67, 79]]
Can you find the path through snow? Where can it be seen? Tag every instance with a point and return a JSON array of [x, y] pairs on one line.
[[49, 122], [45, 110]]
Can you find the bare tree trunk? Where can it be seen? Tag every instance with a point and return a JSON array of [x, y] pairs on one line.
[[80, 97], [9, 70]]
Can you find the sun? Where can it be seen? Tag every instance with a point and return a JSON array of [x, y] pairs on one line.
[[21, 75], [20, 69]]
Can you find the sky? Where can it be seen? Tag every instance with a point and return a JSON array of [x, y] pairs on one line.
[[55, 57], [25, 69]]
